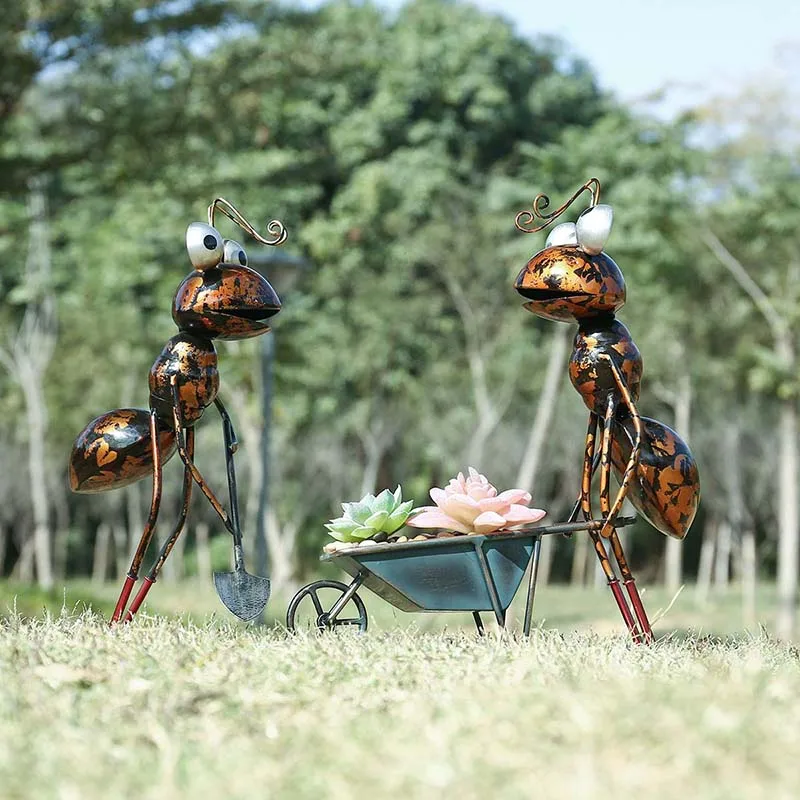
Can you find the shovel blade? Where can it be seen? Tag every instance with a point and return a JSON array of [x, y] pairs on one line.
[[242, 594]]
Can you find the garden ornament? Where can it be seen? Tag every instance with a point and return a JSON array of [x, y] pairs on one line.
[[572, 279], [221, 299]]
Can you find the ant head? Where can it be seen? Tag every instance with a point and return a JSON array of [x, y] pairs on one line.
[[223, 298], [572, 278], [565, 283]]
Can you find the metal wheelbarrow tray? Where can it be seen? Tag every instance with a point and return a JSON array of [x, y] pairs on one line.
[[459, 573]]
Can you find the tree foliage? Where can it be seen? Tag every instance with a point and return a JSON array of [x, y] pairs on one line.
[[397, 148]]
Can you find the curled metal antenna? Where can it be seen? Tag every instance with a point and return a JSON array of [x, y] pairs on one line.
[[542, 201], [274, 226]]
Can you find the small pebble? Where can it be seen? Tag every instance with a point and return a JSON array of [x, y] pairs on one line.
[[331, 547], [445, 535], [380, 537], [401, 539], [420, 538], [367, 543]]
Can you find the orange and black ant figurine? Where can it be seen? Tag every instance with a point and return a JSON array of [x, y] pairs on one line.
[[572, 279], [221, 299]]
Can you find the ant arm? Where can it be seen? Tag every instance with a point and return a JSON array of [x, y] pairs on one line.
[[630, 468], [187, 459], [589, 466]]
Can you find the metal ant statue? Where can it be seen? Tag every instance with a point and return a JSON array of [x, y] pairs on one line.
[[573, 279], [221, 299]]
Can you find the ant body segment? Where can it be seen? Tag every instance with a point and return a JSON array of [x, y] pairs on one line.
[[222, 298], [572, 279]]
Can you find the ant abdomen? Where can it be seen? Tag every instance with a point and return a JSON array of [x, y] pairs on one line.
[[592, 375], [115, 450], [666, 486]]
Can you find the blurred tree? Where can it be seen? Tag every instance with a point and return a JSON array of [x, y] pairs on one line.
[[757, 226]]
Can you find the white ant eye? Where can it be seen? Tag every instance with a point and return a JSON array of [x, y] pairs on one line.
[[204, 245], [234, 253], [562, 234], [593, 228]]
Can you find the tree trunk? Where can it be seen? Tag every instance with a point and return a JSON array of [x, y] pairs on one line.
[[173, 566], [37, 427], [554, 375], [203, 550], [133, 505], [546, 560], [101, 551], [706, 566], [749, 576], [722, 562], [673, 565], [61, 536], [580, 558], [26, 362], [3, 546], [743, 534], [282, 546], [121, 550], [788, 522], [23, 569], [788, 517], [251, 440], [673, 560], [374, 453], [489, 409]]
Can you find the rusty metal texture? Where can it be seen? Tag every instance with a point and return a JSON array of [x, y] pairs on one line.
[[215, 301], [655, 467]]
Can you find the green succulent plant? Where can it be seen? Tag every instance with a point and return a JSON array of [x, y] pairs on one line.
[[370, 516]]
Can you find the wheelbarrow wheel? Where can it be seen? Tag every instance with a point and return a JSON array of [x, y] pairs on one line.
[[311, 606]]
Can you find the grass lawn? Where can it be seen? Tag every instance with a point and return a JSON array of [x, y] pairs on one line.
[[419, 707]]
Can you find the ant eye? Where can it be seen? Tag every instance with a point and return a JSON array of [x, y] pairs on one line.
[[562, 234], [234, 253], [593, 228], [204, 245]]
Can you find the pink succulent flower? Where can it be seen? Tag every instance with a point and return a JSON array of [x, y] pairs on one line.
[[472, 505]]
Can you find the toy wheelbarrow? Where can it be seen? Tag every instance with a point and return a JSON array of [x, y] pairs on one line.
[[459, 573]]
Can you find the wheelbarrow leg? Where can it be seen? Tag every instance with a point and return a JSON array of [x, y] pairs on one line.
[[499, 611], [478, 622], [537, 550]]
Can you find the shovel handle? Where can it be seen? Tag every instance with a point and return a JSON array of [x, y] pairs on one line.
[[231, 446], [238, 556]]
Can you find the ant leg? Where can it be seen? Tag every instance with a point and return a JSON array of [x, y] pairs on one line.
[[166, 548], [198, 478], [608, 531], [605, 478], [147, 534], [589, 464]]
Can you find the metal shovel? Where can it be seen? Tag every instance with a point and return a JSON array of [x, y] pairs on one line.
[[242, 594]]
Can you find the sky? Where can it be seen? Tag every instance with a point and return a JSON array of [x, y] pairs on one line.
[[696, 48]]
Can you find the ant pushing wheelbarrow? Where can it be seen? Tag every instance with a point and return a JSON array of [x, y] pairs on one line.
[[472, 573]]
